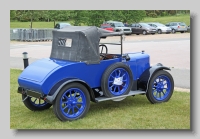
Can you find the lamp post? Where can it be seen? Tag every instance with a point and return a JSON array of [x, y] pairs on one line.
[[25, 58]]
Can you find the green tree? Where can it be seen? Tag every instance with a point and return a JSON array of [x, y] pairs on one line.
[[79, 17], [29, 15], [12, 14], [131, 16], [96, 17]]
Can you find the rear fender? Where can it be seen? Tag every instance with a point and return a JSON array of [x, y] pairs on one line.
[[57, 87], [146, 76]]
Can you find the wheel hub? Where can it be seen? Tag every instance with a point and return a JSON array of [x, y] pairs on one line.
[[71, 102], [160, 87], [118, 81]]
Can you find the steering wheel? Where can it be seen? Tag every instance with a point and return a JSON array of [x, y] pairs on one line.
[[102, 48]]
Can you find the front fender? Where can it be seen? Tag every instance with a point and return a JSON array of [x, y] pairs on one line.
[[145, 78]]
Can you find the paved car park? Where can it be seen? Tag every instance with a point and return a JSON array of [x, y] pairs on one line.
[[172, 50]]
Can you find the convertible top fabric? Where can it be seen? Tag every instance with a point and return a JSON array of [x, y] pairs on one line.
[[79, 43]]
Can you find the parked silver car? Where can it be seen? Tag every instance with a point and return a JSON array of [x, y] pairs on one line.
[[119, 26], [177, 27], [160, 28]]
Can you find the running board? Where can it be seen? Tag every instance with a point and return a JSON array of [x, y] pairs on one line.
[[131, 93]]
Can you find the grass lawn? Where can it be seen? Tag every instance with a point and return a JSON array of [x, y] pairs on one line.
[[164, 20], [131, 113]]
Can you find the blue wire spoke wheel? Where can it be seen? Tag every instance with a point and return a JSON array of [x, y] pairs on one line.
[[72, 102], [161, 87], [116, 80], [35, 104]]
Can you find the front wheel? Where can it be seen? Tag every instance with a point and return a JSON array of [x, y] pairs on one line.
[[144, 32], [159, 31], [161, 87], [72, 102]]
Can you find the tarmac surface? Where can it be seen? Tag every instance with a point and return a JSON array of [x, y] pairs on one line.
[[172, 50]]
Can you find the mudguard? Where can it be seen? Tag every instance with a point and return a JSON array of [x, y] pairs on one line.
[[145, 78], [56, 88]]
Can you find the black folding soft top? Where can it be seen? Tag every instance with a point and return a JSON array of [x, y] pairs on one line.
[[79, 43]]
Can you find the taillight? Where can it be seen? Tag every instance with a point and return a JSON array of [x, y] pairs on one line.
[[178, 26]]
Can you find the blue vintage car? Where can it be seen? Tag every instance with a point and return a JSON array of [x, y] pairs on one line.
[[80, 70]]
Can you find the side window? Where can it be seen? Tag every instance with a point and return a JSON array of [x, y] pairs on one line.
[[65, 42], [57, 26], [174, 24], [112, 25], [137, 25], [154, 26], [133, 25]]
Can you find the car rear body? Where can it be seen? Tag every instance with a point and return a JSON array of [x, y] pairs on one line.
[[177, 26], [107, 27]]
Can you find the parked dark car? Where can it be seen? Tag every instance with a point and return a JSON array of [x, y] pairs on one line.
[[177, 27], [142, 28], [107, 27], [61, 25]]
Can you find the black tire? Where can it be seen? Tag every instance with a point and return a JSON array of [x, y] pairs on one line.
[[111, 75], [75, 99], [173, 31], [161, 87], [35, 104], [144, 32], [159, 31]]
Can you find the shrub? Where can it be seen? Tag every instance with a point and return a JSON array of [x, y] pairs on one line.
[[152, 15]]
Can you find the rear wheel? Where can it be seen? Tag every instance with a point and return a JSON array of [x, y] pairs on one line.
[[35, 104], [161, 87], [117, 80], [72, 102], [173, 31]]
